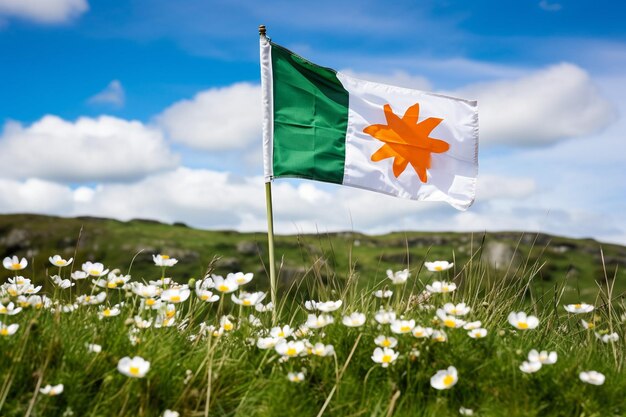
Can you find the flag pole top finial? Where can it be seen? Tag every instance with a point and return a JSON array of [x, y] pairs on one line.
[[262, 30]]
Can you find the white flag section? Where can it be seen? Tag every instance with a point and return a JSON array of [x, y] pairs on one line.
[[323, 125], [452, 174]]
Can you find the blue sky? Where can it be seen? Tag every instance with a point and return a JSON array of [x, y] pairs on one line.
[[107, 109]]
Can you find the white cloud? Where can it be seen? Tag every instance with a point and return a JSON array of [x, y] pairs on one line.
[[550, 7], [34, 196], [101, 149], [552, 104], [44, 11], [113, 94], [216, 119], [398, 78]]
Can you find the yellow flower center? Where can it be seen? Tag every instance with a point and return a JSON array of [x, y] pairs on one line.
[[522, 325], [12, 292], [134, 370], [223, 288], [175, 298], [241, 280], [170, 313], [445, 288], [24, 304], [87, 298], [165, 257], [112, 285], [106, 313], [578, 306], [228, 326], [405, 329], [4, 331], [386, 343], [591, 325], [449, 323], [60, 262], [150, 301], [16, 266], [247, 302], [281, 334], [438, 268], [94, 272], [419, 333], [440, 338], [204, 297], [448, 380], [386, 358], [3, 310], [291, 351], [38, 305]]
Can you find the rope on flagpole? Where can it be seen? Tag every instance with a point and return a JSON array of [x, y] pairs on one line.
[[270, 223]]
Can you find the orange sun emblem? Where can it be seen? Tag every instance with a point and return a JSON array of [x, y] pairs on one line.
[[407, 141]]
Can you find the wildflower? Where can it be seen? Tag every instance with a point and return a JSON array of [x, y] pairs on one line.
[[78, 275], [544, 357], [607, 338], [162, 282], [354, 320], [441, 287], [328, 306], [247, 298], [281, 332], [254, 321], [302, 331], [587, 325], [141, 323], [263, 308], [321, 349], [95, 269], [383, 294], [267, 342], [93, 347], [170, 413], [295, 376], [56, 260], [472, 325], [384, 356], [240, 278], [164, 260], [226, 324], [9, 309], [438, 266], [227, 285], [145, 291], [477, 333], [109, 312], [579, 308], [402, 326], [439, 336], [530, 367], [420, 332], [466, 411], [522, 321], [62, 283], [206, 295], [449, 321], [592, 377], [444, 379], [385, 317], [14, 264], [52, 390], [317, 322], [8, 330], [290, 349], [385, 341], [136, 367], [175, 295], [92, 299], [398, 277], [456, 310], [414, 354]]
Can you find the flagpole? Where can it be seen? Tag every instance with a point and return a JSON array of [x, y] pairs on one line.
[[270, 224]]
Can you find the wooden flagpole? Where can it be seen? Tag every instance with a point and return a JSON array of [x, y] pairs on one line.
[[270, 223]]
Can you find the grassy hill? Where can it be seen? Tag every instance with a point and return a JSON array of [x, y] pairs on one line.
[[580, 265]]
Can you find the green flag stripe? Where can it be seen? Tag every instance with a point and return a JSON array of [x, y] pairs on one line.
[[310, 119]]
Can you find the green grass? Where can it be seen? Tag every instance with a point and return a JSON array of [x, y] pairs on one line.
[[230, 376]]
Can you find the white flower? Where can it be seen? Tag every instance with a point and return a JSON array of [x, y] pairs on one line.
[[248, 299], [295, 376], [225, 286], [8, 330], [175, 295], [449, 321], [268, 342], [328, 306], [385, 317], [439, 336], [240, 278], [444, 379], [290, 349], [402, 326], [420, 332], [52, 390], [441, 287], [94, 269], [254, 321], [321, 349], [93, 348], [578, 308], [587, 325], [9, 309], [472, 325], [317, 322], [14, 263], [384, 356], [607, 338], [383, 294], [530, 367], [522, 321], [281, 332], [263, 308], [56, 260], [592, 377], [164, 260], [456, 310], [438, 266], [77, 275], [61, 283], [92, 299], [109, 312], [398, 277], [170, 413], [387, 342], [141, 323], [354, 320], [226, 324], [477, 333], [136, 367], [545, 357], [466, 411], [145, 291]]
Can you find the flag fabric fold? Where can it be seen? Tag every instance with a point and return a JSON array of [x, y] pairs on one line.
[[323, 125]]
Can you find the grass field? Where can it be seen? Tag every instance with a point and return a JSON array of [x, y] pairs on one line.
[[211, 355]]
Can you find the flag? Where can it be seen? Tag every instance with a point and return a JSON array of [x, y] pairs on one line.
[[324, 125]]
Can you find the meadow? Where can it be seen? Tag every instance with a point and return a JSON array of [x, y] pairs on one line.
[[431, 337]]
